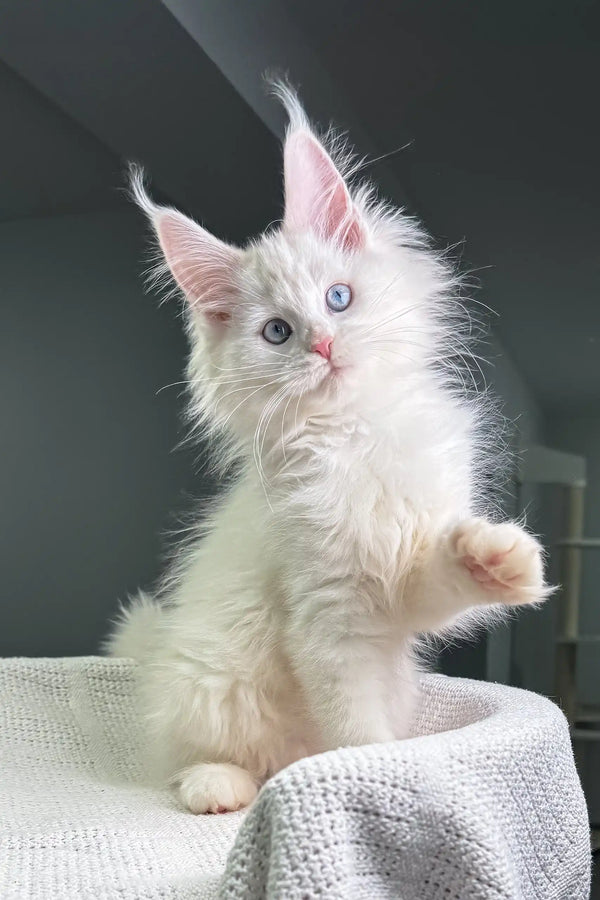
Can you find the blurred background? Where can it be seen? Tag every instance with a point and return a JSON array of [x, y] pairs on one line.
[[494, 105]]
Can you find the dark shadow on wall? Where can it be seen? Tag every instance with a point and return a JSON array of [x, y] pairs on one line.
[[90, 475]]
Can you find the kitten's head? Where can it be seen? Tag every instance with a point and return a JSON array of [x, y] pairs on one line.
[[335, 312]]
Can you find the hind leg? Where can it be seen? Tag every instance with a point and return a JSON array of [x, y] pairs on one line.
[[215, 788]]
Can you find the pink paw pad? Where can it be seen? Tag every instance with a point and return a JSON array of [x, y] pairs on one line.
[[503, 559]]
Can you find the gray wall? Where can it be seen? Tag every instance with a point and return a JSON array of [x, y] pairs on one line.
[[526, 427], [89, 477], [580, 433]]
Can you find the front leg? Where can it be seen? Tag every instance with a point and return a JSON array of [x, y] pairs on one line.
[[478, 563], [341, 660]]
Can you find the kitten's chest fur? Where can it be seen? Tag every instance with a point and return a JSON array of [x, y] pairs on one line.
[[364, 497]]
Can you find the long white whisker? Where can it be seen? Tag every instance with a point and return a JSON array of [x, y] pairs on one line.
[[373, 303], [172, 384], [275, 352], [258, 365], [244, 379], [256, 452], [290, 398], [398, 315], [255, 391], [203, 380]]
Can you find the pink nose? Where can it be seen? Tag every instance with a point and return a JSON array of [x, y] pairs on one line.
[[323, 347]]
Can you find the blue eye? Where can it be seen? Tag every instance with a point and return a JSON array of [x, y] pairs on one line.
[[338, 297], [276, 331]]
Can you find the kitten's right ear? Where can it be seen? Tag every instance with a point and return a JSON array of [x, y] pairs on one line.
[[316, 196], [203, 266]]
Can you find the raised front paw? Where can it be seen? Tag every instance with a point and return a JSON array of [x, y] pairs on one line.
[[503, 558]]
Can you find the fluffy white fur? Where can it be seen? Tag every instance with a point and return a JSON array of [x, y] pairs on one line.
[[356, 521]]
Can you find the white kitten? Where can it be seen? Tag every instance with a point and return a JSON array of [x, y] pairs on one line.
[[324, 357]]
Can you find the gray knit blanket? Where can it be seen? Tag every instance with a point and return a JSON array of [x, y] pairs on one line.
[[484, 803]]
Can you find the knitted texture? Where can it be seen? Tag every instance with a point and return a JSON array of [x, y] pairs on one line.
[[76, 819], [486, 803]]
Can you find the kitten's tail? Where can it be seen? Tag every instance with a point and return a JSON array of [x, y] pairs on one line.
[[136, 628]]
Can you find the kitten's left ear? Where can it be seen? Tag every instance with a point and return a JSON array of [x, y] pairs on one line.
[[203, 266], [316, 196]]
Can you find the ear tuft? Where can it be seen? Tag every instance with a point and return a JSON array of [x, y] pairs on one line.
[[287, 96]]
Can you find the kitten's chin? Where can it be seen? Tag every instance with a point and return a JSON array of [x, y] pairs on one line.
[[333, 377], [331, 386], [338, 385]]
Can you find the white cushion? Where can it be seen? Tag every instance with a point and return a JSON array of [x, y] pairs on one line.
[[486, 803]]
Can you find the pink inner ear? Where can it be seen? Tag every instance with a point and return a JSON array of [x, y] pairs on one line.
[[316, 196], [202, 265]]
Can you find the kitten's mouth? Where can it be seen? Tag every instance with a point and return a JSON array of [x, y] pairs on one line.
[[334, 373], [337, 368], [329, 375], [328, 371]]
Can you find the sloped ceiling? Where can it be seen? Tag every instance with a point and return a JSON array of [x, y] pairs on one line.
[[48, 163]]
